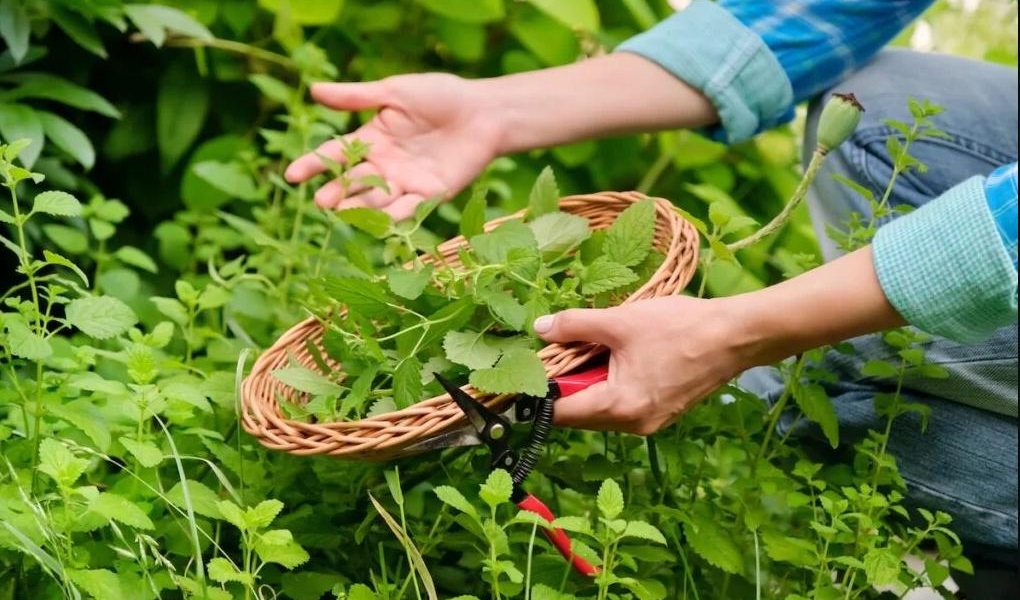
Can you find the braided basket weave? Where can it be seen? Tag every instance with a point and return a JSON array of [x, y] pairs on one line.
[[387, 436]]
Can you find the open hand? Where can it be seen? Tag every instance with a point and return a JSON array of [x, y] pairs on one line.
[[431, 137]]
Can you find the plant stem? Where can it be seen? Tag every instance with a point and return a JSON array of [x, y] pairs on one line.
[[654, 172], [777, 410], [233, 47], [779, 220]]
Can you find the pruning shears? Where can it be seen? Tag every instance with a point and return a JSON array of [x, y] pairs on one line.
[[486, 426]]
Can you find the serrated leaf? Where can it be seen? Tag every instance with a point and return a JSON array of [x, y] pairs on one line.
[[101, 584], [492, 247], [359, 295], [222, 570], [644, 531], [497, 488], [307, 381], [25, 343], [232, 513], [610, 499], [818, 408], [573, 524], [120, 509], [407, 387], [203, 499], [57, 461], [793, 550], [519, 371], [505, 308], [372, 221], [545, 195], [559, 233], [629, 238], [882, 566], [60, 204], [290, 555], [713, 543], [409, 283], [56, 259], [100, 317], [470, 349], [262, 514], [605, 275], [451, 496], [472, 219], [146, 453], [879, 368]]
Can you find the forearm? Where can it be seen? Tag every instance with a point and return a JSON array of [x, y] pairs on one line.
[[613, 94], [834, 302]]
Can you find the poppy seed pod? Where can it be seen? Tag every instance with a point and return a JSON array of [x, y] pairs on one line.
[[839, 119]]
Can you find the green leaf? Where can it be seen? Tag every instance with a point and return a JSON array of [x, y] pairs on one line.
[[360, 591], [573, 524], [222, 570], [78, 28], [232, 513], [306, 380], [359, 296], [309, 585], [15, 27], [519, 371], [506, 308], [451, 496], [788, 549], [55, 259], [470, 349], [57, 461], [407, 387], [545, 195], [372, 221], [604, 275], [576, 14], [230, 177], [68, 138], [203, 500], [559, 233], [24, 342], [472, 219], [19, 122], [60, 204], [882, 566], [50, 87], [289, 555], [101, 317], [86, 417], [306, 12], [120, 509], [818, 408], [182, 103], [713, 543], [879, 368], [146, 453], [154, 21], [409, 283], [263, 514], [610, 499], [644, 531], [130, 255], [629, 238], [469, 11], [101, 584], [492, 247], [497, 489]]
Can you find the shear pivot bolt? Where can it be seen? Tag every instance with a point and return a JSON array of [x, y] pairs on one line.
[[497, 431]]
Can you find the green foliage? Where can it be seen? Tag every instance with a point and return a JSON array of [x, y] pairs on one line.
[[125, 322]]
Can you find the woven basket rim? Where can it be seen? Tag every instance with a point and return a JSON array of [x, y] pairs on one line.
[[388, 435]]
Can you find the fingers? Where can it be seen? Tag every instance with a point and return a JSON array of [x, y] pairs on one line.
[[310, 165], [332, 193], [605, 407], [581, 325], [351, 96], [403, 207]]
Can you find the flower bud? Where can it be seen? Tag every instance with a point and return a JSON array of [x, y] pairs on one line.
[[839, 119]]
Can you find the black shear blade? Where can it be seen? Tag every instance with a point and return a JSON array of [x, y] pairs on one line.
[[469, 405]]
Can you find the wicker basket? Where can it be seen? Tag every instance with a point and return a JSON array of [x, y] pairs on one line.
[[388, 435]]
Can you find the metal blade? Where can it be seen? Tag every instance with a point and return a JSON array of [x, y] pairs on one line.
[[465, 402]]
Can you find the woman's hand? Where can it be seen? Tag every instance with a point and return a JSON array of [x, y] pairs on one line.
[[668, 353], [434, 133], [431, 137]]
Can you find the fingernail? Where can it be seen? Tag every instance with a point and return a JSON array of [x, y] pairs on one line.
[[543, 324]]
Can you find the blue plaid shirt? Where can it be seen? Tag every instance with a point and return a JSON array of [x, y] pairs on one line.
[[755, 60], [816, 43]]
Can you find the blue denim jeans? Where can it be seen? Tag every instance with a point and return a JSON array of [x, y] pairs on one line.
[[966, 461]]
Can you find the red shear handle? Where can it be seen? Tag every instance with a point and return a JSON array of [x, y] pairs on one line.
[[557, 536], [575, 382]]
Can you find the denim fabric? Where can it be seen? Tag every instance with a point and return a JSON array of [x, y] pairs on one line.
[[966, 463]]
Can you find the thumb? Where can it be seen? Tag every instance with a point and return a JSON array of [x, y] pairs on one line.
[[350, 96], [580, 325]]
